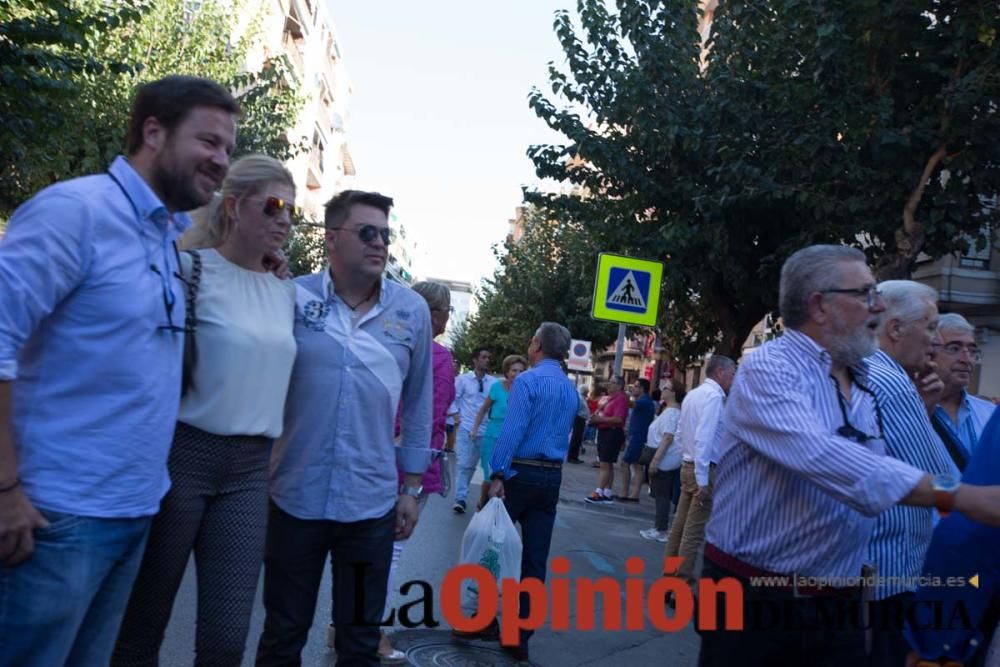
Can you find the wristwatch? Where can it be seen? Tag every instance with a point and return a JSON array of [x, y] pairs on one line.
[[945, 487], [412, 491]]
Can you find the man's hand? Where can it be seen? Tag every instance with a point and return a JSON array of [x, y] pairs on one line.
[[18, 520], [496, 489], [703, 495], [277, 264], [407, 512], [930, 386], [654, 465]]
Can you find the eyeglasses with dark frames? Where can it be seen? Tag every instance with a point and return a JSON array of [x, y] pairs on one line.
[[956, 348], [168, 295], [368, 233], [870, 293], [848, 430]]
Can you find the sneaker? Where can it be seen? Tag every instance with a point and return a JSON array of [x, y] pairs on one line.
[[653, 535], [573, 461], [459, 507], [596, 498]]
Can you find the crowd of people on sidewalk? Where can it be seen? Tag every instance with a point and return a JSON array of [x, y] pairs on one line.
[[168, 389]]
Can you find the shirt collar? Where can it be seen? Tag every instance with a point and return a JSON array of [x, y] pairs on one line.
[[714, 385], [330, 295], [142, 196]]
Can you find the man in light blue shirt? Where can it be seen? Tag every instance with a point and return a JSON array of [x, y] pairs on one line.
[[527, 460], [959, 417], [91, 336], [363, 352]]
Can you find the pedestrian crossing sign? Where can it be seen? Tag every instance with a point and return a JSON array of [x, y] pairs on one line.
[[627, 290]]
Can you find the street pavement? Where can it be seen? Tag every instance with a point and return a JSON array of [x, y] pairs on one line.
[[597, 540]]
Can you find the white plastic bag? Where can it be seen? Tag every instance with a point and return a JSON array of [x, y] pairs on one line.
[[491, 540]]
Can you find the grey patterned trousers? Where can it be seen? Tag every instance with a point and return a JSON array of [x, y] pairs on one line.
[[216, 506]]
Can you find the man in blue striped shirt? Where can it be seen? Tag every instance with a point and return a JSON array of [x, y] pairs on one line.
[[903, 532], [802, 471], [527, 461]]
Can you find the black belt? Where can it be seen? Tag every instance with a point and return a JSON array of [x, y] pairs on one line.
[[541, 463]]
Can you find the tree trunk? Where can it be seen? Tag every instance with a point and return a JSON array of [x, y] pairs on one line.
[[909, 238], [735, 325]]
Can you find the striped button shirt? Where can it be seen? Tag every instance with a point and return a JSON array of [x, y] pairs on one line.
[[903, 532], [791, 495], [540, 413]]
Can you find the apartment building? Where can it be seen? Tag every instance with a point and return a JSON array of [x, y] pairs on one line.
[[302, 31]]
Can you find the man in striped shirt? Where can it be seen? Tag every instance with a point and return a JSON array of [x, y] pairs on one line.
[[903, 532], [527, 460], [802, 471]]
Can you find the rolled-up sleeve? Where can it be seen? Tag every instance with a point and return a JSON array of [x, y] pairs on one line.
[[775, 420], [414, 453], [44, 255]]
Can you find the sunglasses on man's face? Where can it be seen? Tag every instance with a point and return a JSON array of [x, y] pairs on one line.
[[275, 205], [368, 233]]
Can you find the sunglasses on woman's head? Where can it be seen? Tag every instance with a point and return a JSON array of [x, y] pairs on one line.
[[275, 205]]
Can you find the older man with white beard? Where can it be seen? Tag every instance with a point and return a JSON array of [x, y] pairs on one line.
[[802, 472]]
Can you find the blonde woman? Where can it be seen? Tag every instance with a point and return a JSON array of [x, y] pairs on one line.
[[230, 412]]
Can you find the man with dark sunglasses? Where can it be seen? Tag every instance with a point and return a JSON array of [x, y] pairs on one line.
[[902, 533], [90, 372], [471, 390], [363, 353], [795, 493]]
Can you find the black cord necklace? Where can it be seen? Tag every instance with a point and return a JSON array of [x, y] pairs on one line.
[[355, 307]]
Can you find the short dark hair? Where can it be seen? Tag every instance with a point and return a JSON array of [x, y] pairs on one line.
[[479, 350], [338, 209], [644, 383], [169, 100]]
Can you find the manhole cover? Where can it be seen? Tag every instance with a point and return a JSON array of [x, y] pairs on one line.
[[431, 648]]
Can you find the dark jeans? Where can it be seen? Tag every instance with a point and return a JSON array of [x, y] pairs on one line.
[[662, 484], [675, 485], [889, 646], [780, 630], [531, 497], [576, 439], [360, 554]]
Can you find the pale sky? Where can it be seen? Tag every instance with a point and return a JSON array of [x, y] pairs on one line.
[[439, 119]]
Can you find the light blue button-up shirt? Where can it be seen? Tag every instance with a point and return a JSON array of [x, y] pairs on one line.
[[973, 413], [540, 413], [96, 382], [336, 458]]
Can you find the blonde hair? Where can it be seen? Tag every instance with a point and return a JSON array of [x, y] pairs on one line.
[[437, 295], [246, 176]]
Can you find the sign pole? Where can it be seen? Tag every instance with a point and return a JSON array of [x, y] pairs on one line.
[[619, 349]]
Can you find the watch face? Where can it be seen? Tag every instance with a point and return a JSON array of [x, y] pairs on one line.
[[945, 482]]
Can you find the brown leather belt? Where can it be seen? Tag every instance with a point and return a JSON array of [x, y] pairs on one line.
[[747, 571], [541, 463]]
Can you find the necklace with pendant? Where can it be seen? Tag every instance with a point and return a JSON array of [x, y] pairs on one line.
[[354, 309]]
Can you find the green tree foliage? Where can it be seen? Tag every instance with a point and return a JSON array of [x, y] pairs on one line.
[[70, 67], [548, 275], [870, 122]]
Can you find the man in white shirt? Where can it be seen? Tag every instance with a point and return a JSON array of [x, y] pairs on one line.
[[471, 390], [700, 416]]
